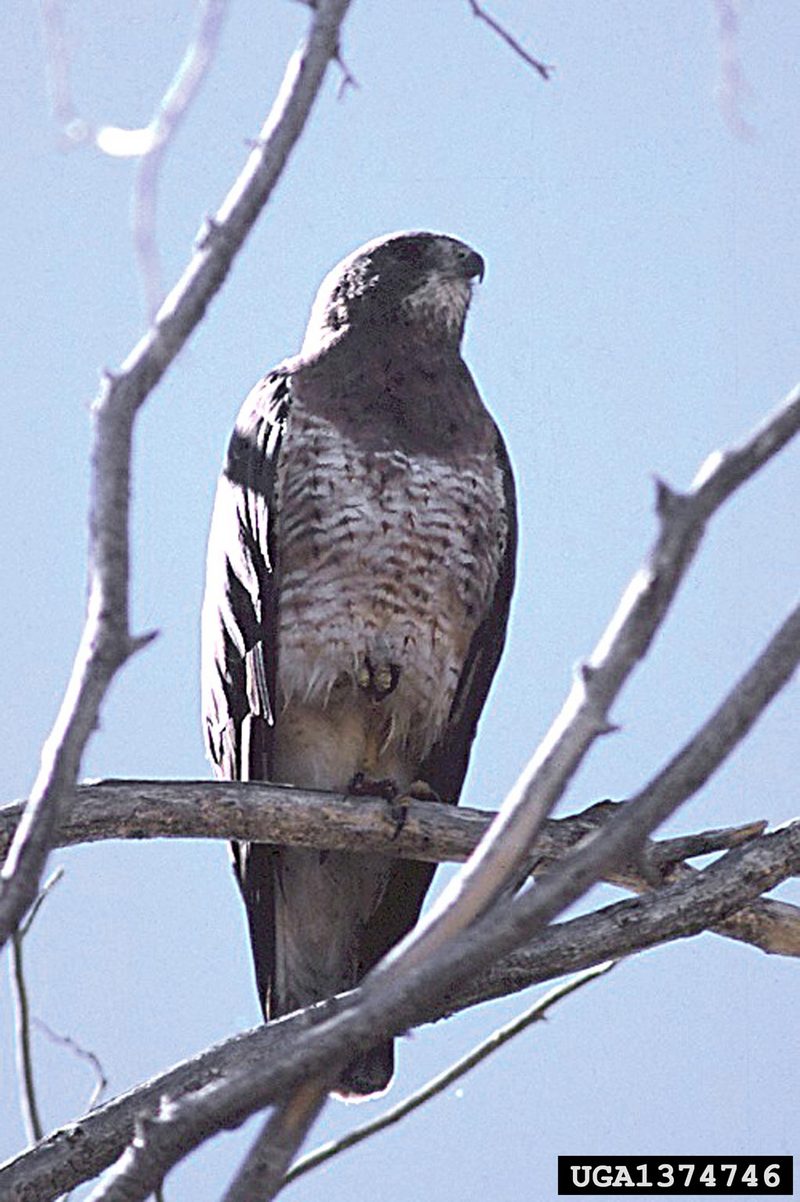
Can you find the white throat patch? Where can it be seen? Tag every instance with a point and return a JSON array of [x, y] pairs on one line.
[[443, 298]]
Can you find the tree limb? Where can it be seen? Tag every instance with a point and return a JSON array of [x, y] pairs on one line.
[[106, 642], [627, 829], [265, 813], [432, 831], [264, 1171]]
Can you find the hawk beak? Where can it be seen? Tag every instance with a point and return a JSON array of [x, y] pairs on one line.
[[474, 266]]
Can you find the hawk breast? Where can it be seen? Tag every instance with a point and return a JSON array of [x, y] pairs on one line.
[[385, 552]]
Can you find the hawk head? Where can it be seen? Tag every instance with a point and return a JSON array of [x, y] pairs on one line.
[[410, 280]]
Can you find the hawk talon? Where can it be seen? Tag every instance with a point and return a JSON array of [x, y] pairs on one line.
[[418, 790], [398, 812], [364, 786]]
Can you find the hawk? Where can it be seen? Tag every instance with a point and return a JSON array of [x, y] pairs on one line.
[[360, 569]]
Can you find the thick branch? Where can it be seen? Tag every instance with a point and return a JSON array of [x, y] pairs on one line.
[[431, 831], [107, 642], [83, 1149]]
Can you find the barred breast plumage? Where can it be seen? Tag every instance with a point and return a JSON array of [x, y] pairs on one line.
[[389, 541], [388, 558]]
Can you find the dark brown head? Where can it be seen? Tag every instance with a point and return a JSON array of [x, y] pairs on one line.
[[407, 281]]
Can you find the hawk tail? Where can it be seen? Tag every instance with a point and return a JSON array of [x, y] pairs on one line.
[[367, 1074]]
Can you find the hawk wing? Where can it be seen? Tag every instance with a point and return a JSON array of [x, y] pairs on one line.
[[445, 766], [239, 636]]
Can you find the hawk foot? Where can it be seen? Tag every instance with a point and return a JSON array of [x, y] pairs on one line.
[[364, 786], [418, 790], [377, 680]]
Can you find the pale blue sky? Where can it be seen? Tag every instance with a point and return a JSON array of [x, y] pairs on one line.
[[639, 309]]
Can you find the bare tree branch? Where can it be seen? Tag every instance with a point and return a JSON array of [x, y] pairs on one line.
[[19, 992], [676, 911], [480, 12], [34, 1129], [85, 1147], [536, 1013], [82, 1053], [434, 832], [163, 126], [148, 143], [107, 642], [265, 813], [263, 1174]]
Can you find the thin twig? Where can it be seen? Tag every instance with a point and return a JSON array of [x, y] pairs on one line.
[[27, 1086], [541, 68], [107, 642], [19, 993], [43, 894], [82, 1053], [439, 1083]]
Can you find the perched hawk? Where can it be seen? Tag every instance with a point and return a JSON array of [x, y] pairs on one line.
[[360, 567]]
